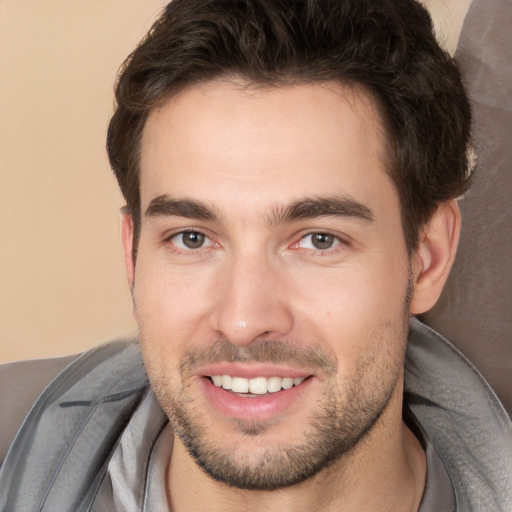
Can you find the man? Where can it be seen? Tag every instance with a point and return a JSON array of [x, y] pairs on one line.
[[290, 170]]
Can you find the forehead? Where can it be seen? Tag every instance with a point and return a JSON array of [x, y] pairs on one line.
[[223, 142]]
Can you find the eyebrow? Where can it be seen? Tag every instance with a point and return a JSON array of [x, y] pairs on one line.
[[313, 207], [305, 208], [164, 206]]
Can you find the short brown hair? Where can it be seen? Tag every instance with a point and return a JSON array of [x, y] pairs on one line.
[[385, 46]]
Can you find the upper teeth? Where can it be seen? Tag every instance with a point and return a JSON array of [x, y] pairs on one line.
[[256, 386]]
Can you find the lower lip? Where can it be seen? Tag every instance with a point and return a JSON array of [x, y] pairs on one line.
[[254, 407]]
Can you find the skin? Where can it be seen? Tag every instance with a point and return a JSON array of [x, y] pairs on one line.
[[244, 155]]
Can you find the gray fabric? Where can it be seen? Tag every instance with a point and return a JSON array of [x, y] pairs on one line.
[[57, 459], [475, 310], [463, 418], [135, 480], [156, 497], [439, 495], [21, 383], [134, 467]]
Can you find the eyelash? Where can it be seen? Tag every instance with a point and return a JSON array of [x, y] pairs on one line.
[[338, 242], [183, 250]]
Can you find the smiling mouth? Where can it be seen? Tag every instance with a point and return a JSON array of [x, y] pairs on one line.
[[256, 386]]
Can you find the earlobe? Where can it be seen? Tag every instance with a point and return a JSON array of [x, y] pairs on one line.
[[433, 258], [127, 240]]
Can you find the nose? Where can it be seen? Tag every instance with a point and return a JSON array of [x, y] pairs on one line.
[[252, 301]]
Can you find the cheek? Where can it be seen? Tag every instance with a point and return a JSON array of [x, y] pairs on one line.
[[356, 314], [167, 300], [353, 296]]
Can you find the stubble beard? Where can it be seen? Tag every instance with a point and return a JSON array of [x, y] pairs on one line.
[[334, 430], [344, 416]]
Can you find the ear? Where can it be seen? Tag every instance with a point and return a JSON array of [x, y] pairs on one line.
[[433, 258], [127, 239]]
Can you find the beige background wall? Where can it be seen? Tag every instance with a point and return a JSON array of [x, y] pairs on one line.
[[62, 285]]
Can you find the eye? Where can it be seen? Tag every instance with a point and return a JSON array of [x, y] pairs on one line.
[[190, 240], [318, 241]]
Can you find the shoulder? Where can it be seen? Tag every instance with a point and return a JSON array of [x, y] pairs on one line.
[[462, 416], [71, 430], [21, 383], [88, 377]]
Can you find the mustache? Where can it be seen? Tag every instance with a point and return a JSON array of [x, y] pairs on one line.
[[262, 351]]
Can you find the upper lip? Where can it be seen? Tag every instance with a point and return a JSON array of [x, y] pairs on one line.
[[252, 370]]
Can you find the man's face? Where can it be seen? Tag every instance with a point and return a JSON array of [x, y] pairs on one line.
[[271, 255]]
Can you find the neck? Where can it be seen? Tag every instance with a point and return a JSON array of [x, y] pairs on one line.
[[385, 471]]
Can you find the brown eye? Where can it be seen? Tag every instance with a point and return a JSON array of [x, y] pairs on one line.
[[319, 241], [193, 240], [189, 240], [322, 241]]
